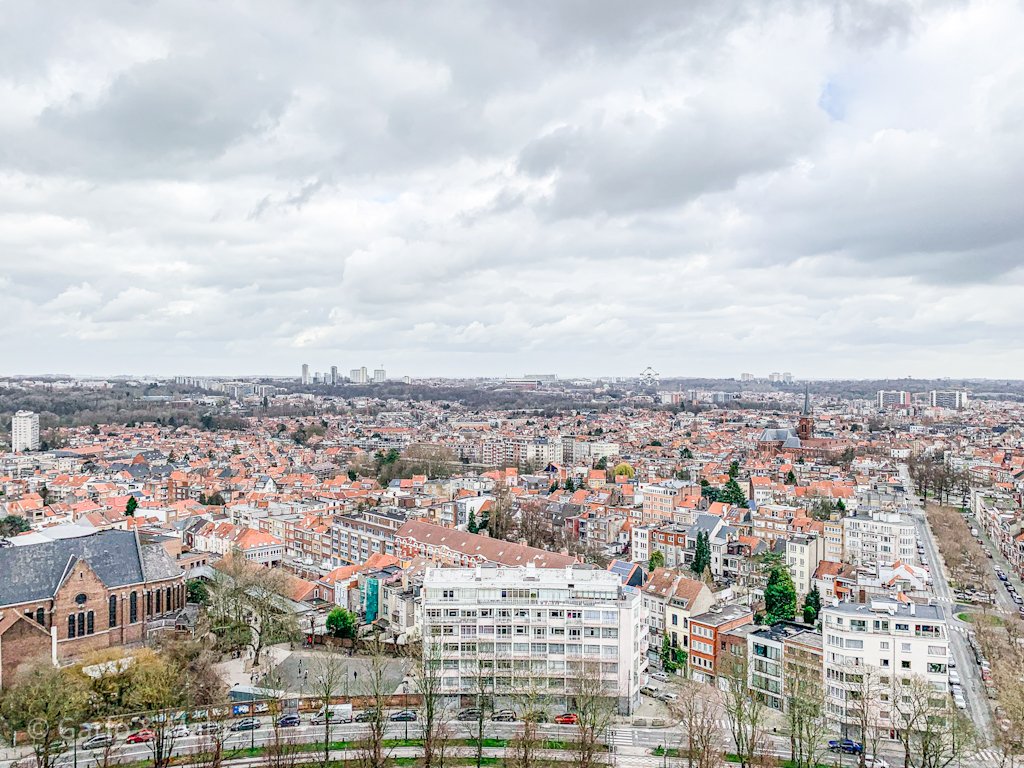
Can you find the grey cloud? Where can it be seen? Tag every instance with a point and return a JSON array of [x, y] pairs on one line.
[[589, 187]]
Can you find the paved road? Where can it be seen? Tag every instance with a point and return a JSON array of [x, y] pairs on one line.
[[970, 676]]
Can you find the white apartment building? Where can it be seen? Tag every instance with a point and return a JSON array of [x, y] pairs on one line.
[[953, 399], [540, 631], [893, 398], [879, 538], [871, 651], [803, 553], [25, 431]]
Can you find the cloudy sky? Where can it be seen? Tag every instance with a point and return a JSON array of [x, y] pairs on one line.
[[706, 187]]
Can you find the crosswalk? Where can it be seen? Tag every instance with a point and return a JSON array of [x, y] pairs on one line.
[[620, 737], [986, 757]]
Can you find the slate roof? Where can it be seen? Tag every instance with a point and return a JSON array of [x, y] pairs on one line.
[[35, 572]]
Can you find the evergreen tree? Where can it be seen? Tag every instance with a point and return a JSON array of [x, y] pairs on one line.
[[812, 605], [553, 487], [686, 453], [570, 486], [656, 560], [471, 525], [779, 596], [734, 470], [840, 505], [732, 494], [790, 478], [701, 555], [131, 506]]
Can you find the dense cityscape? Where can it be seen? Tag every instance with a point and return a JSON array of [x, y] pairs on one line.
[[536, 384], [628, 566]]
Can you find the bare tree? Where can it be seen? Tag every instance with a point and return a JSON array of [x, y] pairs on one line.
[[211, 749], [523, 748], [864, 697], [248, 595], [698, 711], [283, 750], [595, 703], [426, 674], [483, 687], [372, 753], [329, 675], [745, 714], [805, 717]]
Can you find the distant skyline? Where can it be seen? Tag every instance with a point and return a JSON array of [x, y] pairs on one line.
[[463, 189]]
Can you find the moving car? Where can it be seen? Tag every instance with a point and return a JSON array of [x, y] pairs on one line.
[[469, 715], [246, 724], [873, 761], [289, 720], [208, 727], [141, 737], [846, 746], [180, 732], [569, 718], [404, 716], [504, 716], [366, 716], [99, 741]]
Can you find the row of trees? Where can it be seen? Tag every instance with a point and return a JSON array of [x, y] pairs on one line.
[[932, 476], [931, 732]]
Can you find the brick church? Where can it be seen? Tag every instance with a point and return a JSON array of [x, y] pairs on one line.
[[64, 598]]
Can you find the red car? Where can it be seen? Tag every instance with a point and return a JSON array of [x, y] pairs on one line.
[[140, 737], [569, 718]]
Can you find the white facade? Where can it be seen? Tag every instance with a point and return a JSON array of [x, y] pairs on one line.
[[803, 553], [880, 538], [535, 629], [873, 650], [25, 431], [953, 399]]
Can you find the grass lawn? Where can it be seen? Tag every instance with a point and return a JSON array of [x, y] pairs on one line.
[[972, 618]]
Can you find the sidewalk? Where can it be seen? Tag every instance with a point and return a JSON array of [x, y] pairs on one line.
[[236, 672]]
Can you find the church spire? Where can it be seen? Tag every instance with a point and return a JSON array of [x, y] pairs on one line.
[[807, 400]]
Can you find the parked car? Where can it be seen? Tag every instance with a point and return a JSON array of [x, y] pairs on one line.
[[404, 716], [469, 715], [846, 746], [951, 662], [99, 741], [246, 724], [873, 761], [366, 716], [504, 716], [568, 718], [660, 676], [667, 696], [646, 690], [954, 677], [141, 737], [289, 720]]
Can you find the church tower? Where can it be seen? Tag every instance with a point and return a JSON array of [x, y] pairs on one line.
[[805, 429]]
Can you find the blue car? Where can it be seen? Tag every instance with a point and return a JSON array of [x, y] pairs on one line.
[[846, 746]]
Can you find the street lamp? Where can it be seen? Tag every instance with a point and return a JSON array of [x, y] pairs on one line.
[[405, 700]]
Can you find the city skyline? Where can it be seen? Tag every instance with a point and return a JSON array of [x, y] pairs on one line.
[[481, 191]]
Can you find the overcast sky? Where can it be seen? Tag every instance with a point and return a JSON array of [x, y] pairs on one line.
[[706, 187]]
